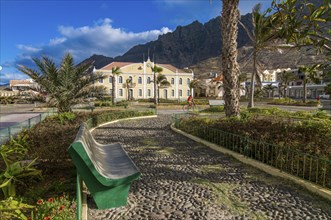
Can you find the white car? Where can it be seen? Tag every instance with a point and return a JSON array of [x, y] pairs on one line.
[[324, 96]]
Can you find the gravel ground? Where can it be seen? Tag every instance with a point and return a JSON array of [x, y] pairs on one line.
[[182, 179]]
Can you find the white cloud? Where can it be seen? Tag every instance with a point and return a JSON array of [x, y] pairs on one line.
[[28, 48], [83, 42], [56, 41]]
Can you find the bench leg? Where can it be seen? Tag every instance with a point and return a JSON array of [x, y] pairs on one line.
[[113, 197], [79, 197]]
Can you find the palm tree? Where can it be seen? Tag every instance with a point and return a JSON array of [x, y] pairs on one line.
[[262, 36], [230, 66], [309, 73], [156, 70], [270, 89], [128, 85], [65, 85], [306, 24], [115, 71], [193, 85], [285, 78], [161, 82], [242, 78]]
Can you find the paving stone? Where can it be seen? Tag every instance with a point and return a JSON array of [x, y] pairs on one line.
[[170, 162]]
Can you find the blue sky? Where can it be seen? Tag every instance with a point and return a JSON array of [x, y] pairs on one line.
[[32, 28]]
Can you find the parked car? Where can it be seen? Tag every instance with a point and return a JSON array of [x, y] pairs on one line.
[[324, 96]]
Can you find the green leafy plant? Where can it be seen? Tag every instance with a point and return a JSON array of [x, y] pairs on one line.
[[60, 208], [10, 208], [14, 169], [67, 116]]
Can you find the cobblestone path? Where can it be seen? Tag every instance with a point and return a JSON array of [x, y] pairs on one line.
[[182, 179]]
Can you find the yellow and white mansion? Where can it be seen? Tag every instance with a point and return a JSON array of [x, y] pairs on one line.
[[141, 77]]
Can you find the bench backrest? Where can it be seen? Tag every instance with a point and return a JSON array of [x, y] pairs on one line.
[[108, 165], [216, 102]]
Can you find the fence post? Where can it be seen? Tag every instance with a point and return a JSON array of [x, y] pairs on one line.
[[9, 132]]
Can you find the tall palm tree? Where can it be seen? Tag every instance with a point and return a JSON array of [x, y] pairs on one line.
[[230, 66], [263, 36], [242, 78], [128, 85], [285, 78], [156, 70], [115, 71], [161, 82], [193, 85], [309, 73], [65, 85], [270, 89], [306, 24]]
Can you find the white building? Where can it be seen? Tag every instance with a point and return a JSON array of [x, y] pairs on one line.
[[141, 80]]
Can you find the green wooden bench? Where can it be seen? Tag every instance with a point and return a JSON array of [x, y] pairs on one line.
[[107, 170]]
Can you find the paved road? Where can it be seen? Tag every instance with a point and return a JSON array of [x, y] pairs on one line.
[[15, 113], [182, 179], [12, 119]]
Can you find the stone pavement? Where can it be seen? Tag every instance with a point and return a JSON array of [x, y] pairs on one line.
[[182, 179]]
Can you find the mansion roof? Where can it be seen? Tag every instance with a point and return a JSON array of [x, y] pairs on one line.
[[115, 64], [167, 66]]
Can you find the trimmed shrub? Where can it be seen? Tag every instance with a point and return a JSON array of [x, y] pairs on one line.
[[214, 109]]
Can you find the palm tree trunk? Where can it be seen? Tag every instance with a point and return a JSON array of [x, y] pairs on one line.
[[114, 90], [230, 67], [251, 94], [304, 91], [155, 90]]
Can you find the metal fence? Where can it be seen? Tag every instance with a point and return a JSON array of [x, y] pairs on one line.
[[7, 133], [309, 167]]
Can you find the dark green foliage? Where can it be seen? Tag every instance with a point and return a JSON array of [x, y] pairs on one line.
[[308, 136], [288, 101], [66, 84], [50, 139], [214, 109]]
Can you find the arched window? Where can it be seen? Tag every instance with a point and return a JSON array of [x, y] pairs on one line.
[[110, 79], [140, 92], [140, 80], [172, 81], [180, 93], [120, 79], [180, 81], [148, 80], [149, 93], [173, 93], [188, 81], [121, 92]]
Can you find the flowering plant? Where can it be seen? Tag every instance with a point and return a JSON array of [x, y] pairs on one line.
[[54, 209]]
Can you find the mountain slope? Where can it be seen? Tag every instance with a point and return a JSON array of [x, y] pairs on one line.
[[187, 45]]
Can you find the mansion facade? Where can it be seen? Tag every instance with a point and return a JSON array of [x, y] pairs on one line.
[[136, 81]]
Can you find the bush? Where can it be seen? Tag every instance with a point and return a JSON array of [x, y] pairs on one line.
[[309, 136], [214, 109]]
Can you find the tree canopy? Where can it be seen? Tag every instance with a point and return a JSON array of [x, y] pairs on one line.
[[66, 84]]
